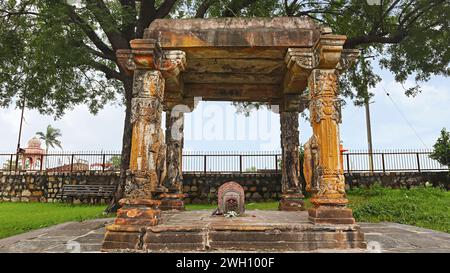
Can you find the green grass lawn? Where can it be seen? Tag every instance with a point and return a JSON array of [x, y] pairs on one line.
[[16, 218], [423, 207]]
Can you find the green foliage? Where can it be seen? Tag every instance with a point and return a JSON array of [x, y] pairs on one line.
[[17, 218], [58, 56], [50, 137], [44, 58], [441, 152], [11, 165], [115, 161]]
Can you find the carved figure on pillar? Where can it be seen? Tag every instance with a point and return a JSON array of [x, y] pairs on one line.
[[174, 156], [311, 165], [292, 197], [329, 198], [147, 161]]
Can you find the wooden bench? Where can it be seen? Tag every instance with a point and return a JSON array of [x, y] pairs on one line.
[[87, 191]]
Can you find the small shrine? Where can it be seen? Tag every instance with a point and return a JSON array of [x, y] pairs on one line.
[[32, 157], [290, 62]]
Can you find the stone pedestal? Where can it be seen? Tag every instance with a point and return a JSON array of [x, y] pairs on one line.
[[172, 202], [129, 226], [291, 202], [331, 215]]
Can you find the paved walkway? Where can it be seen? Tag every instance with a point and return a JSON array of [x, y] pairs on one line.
[[87, 237]]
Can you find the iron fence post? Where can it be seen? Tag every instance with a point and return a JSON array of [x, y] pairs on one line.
[[240, 163], [276, 163], [382, 162], [10, 162], [71, 163], [418, 162], [103, 162], [40, 165], [348, 163], [204, 164]]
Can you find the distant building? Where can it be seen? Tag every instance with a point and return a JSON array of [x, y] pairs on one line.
[[33, 155]]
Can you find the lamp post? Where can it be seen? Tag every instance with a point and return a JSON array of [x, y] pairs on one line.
[[19, 150]]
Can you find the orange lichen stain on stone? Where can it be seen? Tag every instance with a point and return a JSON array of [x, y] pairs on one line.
[[146, 61], [138, 157], [134, 148], [184, 40], [133, 213]]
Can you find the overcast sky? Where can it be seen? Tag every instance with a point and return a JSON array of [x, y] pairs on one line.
[[215, 126]]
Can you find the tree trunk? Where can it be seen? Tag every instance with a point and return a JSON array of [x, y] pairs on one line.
[[126, 148]]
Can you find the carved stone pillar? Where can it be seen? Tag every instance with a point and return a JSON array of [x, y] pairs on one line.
[[139, 208], [292, 197], [329, 197], [174, 156]]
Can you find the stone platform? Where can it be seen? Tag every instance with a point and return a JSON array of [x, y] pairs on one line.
[[253, 231], [88, 236]]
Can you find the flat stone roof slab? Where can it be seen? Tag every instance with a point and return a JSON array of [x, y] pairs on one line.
[[276, 32]]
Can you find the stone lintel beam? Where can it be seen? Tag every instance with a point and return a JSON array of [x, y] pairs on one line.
[[281, 32]]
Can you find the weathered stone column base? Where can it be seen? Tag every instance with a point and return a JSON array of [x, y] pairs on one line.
[[291, 202], [334, 215], [129, 226], [172, 202]]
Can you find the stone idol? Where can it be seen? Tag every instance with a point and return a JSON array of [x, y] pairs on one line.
[[230, 199]]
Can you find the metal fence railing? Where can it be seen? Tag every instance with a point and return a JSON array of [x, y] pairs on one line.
[[231, 162], [391, 161], [61, 162], [223, 162]]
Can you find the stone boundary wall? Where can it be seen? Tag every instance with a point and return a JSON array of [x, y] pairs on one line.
[[46, 187], [399, 179], [200, 188]]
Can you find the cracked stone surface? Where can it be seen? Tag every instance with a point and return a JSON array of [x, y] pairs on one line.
[[87, 236]]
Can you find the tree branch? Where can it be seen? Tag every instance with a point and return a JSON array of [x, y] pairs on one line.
[[90, 33], [236, 6], [147, 14], [165, 8], [377, 38], [128, 24], [109, 73], [108, 24], [203, 8]]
